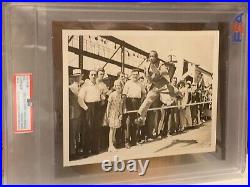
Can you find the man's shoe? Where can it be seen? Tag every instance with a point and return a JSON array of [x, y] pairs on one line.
[[150, 139], [127, 146], [141, 141], [139, 121]]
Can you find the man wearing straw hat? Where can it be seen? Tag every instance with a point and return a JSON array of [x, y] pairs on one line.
[[74, 113]]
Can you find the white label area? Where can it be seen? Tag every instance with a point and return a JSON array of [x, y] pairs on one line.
[[22, 103]]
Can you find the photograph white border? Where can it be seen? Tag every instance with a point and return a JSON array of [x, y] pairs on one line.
[[65, 90]]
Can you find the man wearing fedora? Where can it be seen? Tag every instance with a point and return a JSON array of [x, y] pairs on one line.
[[74, 113]]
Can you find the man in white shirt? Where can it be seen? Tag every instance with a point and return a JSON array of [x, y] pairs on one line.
[[121, 77], [100, 83], [89, 98], [134, 92]]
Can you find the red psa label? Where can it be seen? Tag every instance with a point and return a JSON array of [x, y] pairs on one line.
[[23, 103]]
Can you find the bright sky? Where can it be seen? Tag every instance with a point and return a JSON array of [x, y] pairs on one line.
[[194, 46], [199, 47]]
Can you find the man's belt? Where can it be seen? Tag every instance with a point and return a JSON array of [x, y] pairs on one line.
[[133, 98]]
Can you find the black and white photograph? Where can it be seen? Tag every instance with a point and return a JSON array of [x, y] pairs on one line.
[[138, 94]]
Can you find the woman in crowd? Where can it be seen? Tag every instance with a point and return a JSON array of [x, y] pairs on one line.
[[207, 106], [182, 102], [194, 108], [187, 108]]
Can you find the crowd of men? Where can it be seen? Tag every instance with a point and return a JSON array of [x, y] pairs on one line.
[[88, 99]]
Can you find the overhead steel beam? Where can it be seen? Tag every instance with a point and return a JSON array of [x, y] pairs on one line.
[[101, 58], [126, 45], [70, 38], [129, 46], [80, 48], [112, 56]]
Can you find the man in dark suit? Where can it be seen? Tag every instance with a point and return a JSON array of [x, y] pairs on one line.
[[74, 114]]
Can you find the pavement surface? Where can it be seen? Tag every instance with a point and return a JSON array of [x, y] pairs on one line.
[[194, 140]]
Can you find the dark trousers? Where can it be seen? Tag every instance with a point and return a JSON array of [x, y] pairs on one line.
[[131, 129], [194, 113], [120, 134], [153, 119], [171, 121], [92, 128], [167, 122], [177, 119], [83, 132], [104, 136], [143, 132], [74, 132]]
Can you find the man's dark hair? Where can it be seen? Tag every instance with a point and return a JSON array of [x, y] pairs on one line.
[[92, 71], [141, 77], [174, 78], [181, 83], [100, 69], [153, 51], [135, 70], [119, 73]]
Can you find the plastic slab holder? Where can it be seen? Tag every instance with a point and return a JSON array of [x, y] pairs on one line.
[[32, 57]]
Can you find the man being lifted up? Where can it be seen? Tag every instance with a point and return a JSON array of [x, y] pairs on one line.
[[157, 74]]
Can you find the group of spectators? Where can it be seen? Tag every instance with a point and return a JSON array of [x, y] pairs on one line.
[[104, 118]]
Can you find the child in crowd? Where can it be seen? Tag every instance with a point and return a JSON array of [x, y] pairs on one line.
[[114, 113]]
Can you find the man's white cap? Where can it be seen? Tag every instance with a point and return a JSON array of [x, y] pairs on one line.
[[76, 72]]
